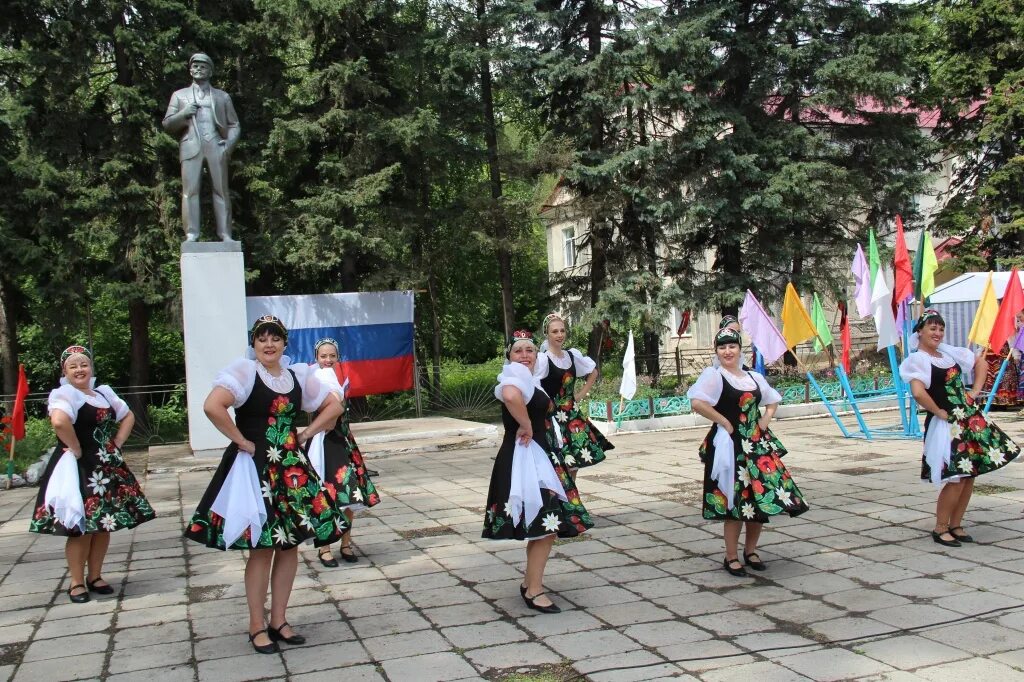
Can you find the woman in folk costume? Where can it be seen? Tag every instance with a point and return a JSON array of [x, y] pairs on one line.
[[336, 457], [558, 370], [87, 490], [960, 443], [745, 481], [730, 322], [531, 496], [265, 497]]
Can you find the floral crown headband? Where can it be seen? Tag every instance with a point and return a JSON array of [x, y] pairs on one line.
[[551, 317], [517, 336], [326, 341], [727, 320], [725, 336], [267, 321], [74, 350], [926, 317]]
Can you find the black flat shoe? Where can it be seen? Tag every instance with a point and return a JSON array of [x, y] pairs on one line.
[[99, 589], [271, 648], [739, 572], [349, 556], [961, 538], [276, 636], [531, 603], [937, 536], [80, 598], [329, 563], [755, 564]]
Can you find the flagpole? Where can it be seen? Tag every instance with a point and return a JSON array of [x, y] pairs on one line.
[[10, 464]]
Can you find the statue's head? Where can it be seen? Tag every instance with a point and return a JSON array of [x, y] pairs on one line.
[[200, 66]]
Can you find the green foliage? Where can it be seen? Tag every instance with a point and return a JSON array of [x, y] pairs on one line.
[[38, 440]]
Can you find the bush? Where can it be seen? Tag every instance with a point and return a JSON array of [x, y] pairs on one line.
[[39, 438]]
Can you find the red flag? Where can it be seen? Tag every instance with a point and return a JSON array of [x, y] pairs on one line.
[[18, 413], [1012, 303], [903, 286], [844, 339], [684, 322]]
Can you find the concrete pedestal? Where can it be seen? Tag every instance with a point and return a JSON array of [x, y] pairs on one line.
[[213, 305]]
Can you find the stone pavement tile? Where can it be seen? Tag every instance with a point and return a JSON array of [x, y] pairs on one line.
[[349, 575], [978, 638], [664, 634], [13, 634], [844, 628], [306, 659], [438, 667], [443, 596], [605, 595], [861, 600], [913, 615], [167, 655], [645, 673], [983, 576], [179, 673], [549, 624], [515, 655], [657, 553], [73, 626], [356, 608], [618, 666], [461, 614], [6, 672], [219, 625], [569, 580], [355, 673], [484, 574], [926, 588], [388, 624], [761, 670], [818, 584], [26, 601], [326, 632], [888, 552], [151, 634], [427, 581], [153, 601], [591, 643], [801, 611], [777, 643], [166, 614], [828, 665], [576, 548], [719, 580], [660, 587], [977, 602], [313, 613], [1014, 659], [253, 666], [932, 563], [878, 573], [506, 588], [705, 655], [693, 604], [11, 588], [467, 561], [603, 560], [637, 541], [79, 667], [482, 635], [406, 644], [227, 646], [971, 669], [894, 676], [734, 623], [759, 595], [834, 561], [361, 590], [631, 573], [66, 646], [910, 651], [21, 616], [629, 614]]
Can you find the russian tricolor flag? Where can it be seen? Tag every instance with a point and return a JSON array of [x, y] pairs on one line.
[[373, 329]]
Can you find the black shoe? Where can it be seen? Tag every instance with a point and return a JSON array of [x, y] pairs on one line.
[[738, 572], [937, 536], [271, 648], [962, 538], [349, 556], [371, 473], [755, 564], [80, 598], [276, 636], [329, 563], [530, 602], [99, 589]]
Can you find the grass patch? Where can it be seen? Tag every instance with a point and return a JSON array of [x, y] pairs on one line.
[[431, 532], [561, 672], [987, 489], [566, 541]]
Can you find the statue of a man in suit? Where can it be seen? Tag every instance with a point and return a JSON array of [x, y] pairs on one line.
[[205, 119]]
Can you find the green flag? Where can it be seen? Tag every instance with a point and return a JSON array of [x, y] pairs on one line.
[[925, 265], [820, 325], [874, 261]]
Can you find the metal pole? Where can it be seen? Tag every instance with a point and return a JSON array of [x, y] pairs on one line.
[[416, 380]]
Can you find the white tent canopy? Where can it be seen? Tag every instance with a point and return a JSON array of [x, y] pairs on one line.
[[957, 301]]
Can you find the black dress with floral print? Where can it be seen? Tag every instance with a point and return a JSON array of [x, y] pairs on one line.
[[978, 446], [566, 519], [763, 486], [112, 496], [582, 443], [298, 506], [344, 471]]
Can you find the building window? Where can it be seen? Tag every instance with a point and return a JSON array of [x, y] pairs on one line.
[[569, 246], [678, 328]]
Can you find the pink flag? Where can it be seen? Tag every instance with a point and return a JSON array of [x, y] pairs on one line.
[[1019, 342], [762, 331], [862, 275]]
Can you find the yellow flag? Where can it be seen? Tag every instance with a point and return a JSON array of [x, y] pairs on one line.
[[985, 318], [796, 323]]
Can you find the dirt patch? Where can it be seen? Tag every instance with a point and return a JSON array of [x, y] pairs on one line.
[[560, 672], [430, 532]]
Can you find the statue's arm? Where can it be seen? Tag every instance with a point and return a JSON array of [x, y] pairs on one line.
[[175, 120], [234, 128]]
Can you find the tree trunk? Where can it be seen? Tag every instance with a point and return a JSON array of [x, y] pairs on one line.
[[8, 340], [600, 231], [138, 368], [501, 242]]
